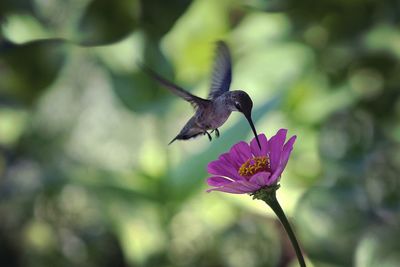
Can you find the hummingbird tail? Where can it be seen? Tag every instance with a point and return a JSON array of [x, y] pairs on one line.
[[173, 140], [185, 136]]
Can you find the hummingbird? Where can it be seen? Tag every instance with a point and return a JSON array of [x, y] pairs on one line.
[[211, 113]]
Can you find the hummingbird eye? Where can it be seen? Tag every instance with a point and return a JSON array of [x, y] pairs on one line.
[[237, 105]]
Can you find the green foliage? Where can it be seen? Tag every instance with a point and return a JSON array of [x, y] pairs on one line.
[[28, 69], [105, 22]]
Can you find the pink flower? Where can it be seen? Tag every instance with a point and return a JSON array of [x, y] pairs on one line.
[[247, 168]]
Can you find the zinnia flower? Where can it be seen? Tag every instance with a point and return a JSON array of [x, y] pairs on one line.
[[246, 168]]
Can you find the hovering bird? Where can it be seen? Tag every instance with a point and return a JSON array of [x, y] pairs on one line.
[[211, 113]]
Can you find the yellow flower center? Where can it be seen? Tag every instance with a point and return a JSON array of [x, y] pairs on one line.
[[255, 165]]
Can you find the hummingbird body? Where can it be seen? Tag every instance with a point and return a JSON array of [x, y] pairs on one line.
[[213, 112], [208, 118], [216, 114]]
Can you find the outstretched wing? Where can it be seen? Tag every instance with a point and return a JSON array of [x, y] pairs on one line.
[[192, 99], [222, 71]]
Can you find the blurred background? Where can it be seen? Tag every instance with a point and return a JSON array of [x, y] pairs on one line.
[[87, 178]]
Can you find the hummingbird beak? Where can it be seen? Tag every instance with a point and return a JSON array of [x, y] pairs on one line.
[[248, 117]]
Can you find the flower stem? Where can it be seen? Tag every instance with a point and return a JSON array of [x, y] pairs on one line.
[[274, 204]]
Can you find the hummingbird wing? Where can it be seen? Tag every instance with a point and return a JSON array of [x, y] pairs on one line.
[[222, 71], [177, 90]]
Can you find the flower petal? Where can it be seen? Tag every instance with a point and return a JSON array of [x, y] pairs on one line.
[[275, 145], [261, 178], [225, 170], [218, 181], [241, 186], [240, 152], [227, 190], [255, 149], [227, 159], [246, 185], [287, 150], [220, 168]]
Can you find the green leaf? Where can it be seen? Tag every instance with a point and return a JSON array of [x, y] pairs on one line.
[[158, 17], [106, 22], [28, 69]]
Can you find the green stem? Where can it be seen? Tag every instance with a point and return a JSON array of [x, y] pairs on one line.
[[274, 204]]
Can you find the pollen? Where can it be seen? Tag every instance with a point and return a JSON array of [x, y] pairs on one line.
[[255, 165]]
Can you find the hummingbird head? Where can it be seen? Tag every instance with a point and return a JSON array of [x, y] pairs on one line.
[[242, 102]]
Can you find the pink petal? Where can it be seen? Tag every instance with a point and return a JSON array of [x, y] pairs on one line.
[[246, 185], [227, 190], [218, 181], [238, 187], [255, 149], [227, 159], [275, 145], [240, 152], [261, 178], [221, 169], [287, 150]]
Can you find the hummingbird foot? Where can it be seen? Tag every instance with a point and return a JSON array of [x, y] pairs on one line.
[[216, 132], [209, 136]]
